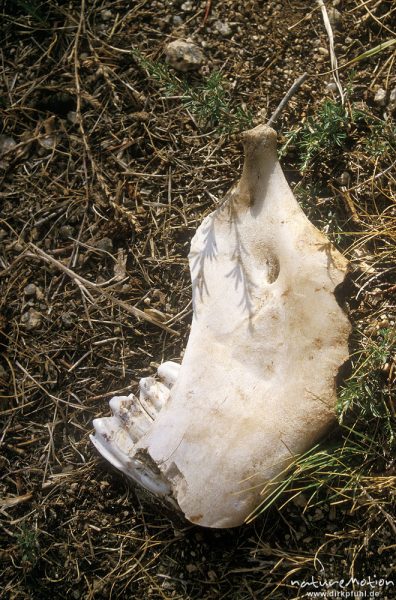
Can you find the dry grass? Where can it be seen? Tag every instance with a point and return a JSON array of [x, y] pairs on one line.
[[100, 195]]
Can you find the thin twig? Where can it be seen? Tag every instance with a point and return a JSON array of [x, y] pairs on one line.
[[81, 281], [294, 88], [207, 11]]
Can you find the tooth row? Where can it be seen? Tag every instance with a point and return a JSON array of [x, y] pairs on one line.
[[116, 436]]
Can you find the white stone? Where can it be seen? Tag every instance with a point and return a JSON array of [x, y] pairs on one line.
[[257, 384], [380, 97], [392, 99], [187, 6], [184, 56], [6, 144], [223, 28], [331, 86], [106, 15], [31, 319], [334, 16], [30, 290], [344, 179]]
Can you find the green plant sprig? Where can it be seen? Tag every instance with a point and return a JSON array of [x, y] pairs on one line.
[[208, 100]]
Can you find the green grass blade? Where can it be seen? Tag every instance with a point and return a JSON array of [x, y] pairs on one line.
[[373, 51]]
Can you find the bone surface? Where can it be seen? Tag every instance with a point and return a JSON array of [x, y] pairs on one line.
[[257, 384]]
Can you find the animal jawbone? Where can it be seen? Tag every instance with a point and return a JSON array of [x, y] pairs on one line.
[[256, 386]]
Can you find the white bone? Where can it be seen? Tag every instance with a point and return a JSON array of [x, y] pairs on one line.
[[257, 384]]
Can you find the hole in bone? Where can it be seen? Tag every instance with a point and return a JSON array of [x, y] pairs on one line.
[[273, 267], [267, 260]]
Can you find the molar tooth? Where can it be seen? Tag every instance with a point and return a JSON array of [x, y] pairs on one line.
[[139, 425], [153, 395], [113, 441], [131, 417], [168, 372], [121, 406]]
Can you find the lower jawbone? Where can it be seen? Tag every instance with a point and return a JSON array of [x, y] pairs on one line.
[[256, 386]]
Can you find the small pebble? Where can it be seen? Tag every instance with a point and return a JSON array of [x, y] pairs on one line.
[[48, 142], [187, 6], [140, 116], [191, 568], [392, 99], [300, 500], [66, 232], [34, 234], [344, 178], [6, 144], [105, 244], [318, 516], [30, 290], [223, 28], [331, 86], [106, 15], [380, 97], [67, 320], [72, 117], [334, 16], [184, 56], [31, 319]]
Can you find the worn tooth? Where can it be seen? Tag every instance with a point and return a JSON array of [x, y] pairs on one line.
[[127, 409], [121, 406], [113, 441], [153, 395], [131, 416], [138, 426], [168, 372]]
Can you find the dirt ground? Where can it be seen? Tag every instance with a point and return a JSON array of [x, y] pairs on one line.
[[108, 163]]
